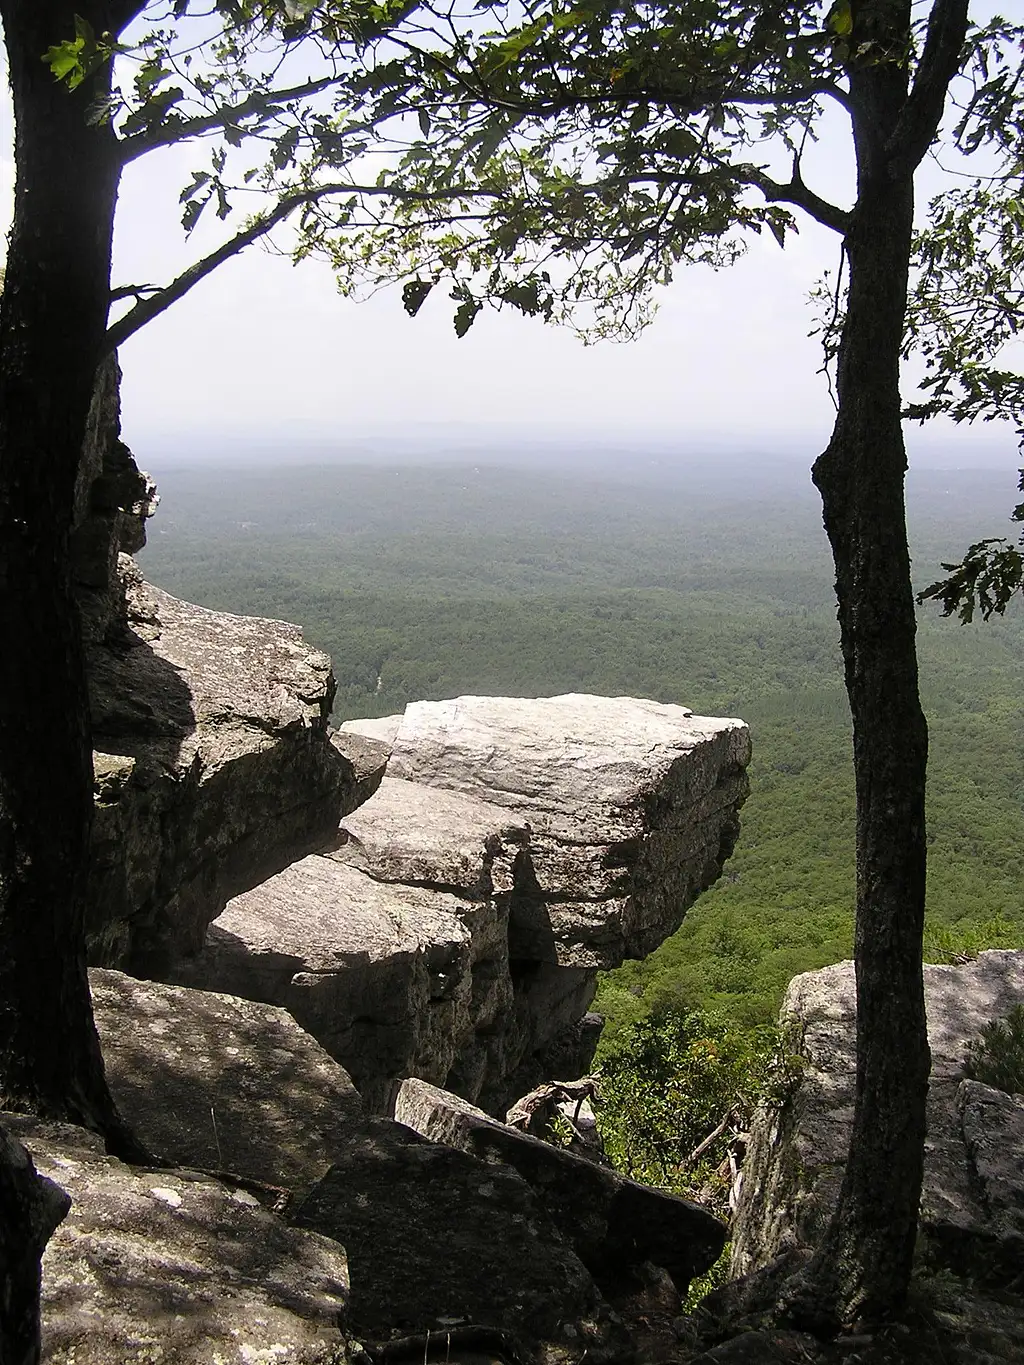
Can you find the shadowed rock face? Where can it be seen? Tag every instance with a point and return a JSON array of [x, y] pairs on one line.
[[457, 938], [214, 767], [438, 1240], [169, 1265], [31, 1207], [215, 1269], [214, 770], [222, 1084], [614, 1224], [972, 1203]]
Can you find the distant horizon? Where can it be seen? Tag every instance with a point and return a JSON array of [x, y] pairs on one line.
[[526, 445]]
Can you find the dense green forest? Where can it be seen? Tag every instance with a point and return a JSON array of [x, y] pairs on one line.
[[706, 586]]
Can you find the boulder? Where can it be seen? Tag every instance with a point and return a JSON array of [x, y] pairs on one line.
[[441, 1244], [214, 770], [973, 1180], [632, 808], [31, 1207], [614, 1224], [223, 1084], [437, 1241], [453, 927], [382, 976], [167, 1265]]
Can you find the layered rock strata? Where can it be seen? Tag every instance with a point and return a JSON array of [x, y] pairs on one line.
[[632, 808], [972, 1203], [454, 927], [214, 770], [214, 767]]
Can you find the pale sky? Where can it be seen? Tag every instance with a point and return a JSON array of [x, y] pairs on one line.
[[266, 353]]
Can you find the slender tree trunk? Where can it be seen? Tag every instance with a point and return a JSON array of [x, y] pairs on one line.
[[52, 320], [863, 1269]]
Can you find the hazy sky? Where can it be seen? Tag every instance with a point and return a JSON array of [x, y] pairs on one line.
[[264, 353]]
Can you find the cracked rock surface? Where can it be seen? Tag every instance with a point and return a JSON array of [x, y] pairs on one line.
[[973, 1195], [169, 1265], [453, 927]]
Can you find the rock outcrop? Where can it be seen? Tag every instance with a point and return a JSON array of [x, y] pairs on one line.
[[614, 1224], [31, 1207], [972, 1204], [214, 767], [169, 1265], [290, 1222], [632, 809], [454, 927], [438, 1241]]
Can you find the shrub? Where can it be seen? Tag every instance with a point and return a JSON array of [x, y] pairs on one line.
[[677, 1094], [997, 1057]]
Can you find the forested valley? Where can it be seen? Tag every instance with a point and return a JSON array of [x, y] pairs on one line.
[[708, 584]]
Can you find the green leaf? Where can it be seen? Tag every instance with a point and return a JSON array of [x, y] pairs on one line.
[[424, 121], [840, 19], [413, 295], [65, 61], [465, 316]]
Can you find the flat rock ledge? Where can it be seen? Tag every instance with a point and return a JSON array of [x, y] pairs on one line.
[[214, 769], [972, 1204], [454, 925], [631, 807]]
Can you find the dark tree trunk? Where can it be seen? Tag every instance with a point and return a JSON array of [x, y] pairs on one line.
[[862, 1271], [52, 319], [31, 1207]]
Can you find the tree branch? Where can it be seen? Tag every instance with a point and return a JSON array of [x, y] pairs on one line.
[[264, 104], [147, 309], [940, 61], [797, 193]]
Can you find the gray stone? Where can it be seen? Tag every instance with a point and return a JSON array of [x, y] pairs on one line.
[[369, 760], [513, 847], [438, 1241], [424, 836], [614, 1224], [223, 1084], [796, 1156], [162, 1266], [631, 806], [382, 976], [381, 729], [31, 1207], [214, 770], [113, 499]]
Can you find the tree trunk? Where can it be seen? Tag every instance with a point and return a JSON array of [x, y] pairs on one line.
[[52, 319], [863, 1269]]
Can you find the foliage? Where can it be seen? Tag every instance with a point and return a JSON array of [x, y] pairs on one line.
[[677, 1094], [588, 150], [997, 1057], [965, 309]]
